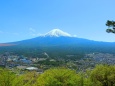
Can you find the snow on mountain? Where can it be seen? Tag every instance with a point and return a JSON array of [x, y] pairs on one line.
[[57, 33]]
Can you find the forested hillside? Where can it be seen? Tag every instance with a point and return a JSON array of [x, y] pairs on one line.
[[101, 75]]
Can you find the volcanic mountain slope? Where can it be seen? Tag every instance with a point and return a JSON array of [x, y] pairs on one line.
[[6, 44], [59, 43]]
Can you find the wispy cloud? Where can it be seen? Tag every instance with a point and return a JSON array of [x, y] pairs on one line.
[[34, 33], [32, 30], [74, 35]]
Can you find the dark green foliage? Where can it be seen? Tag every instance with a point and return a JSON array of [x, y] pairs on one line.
[[111, 26], [51, 63]]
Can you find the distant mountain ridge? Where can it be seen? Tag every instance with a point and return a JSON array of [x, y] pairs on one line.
[[7, 44], [58, 44]]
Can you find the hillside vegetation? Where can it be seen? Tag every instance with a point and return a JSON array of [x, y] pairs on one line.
[[101, 75]]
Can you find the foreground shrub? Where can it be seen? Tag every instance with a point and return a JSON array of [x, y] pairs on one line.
[[103, 75], [28, 79], [59, 77], [6, 77]]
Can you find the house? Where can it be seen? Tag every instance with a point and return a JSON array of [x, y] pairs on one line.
[[32, 68]]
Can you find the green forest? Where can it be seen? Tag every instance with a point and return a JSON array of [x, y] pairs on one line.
[[101, 75]]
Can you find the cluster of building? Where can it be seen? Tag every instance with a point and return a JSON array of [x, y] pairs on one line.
[[101, 58], [20, 62], [93, 59], [28, 63]]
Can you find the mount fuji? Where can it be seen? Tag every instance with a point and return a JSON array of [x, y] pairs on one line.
[[57, 33], [58, 44]]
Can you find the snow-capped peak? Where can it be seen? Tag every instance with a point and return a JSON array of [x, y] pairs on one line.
[[57, 33]]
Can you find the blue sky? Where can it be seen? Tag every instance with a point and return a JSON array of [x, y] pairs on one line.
[[25, 19]]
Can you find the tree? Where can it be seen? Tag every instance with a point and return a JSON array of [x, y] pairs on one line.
[[59, 77], [103, 75], [27, 79], [111, 26], [6, 77]]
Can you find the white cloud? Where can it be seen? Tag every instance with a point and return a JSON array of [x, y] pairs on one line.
[[34, 33], [74, 35], [32, 30]]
